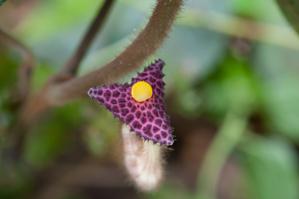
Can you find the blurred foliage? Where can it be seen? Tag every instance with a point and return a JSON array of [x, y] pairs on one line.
[[8, 76], [208, 75], [290, 9], [232, 86], [270, 167], [50, 137], [101, 133], [1, 2], [277, 68]]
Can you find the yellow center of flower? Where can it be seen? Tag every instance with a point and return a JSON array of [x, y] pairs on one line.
[[141, 91]]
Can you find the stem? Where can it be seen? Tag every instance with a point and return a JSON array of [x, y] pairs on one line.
[[26, 66], [226, 140], [146, 43], [290, 9], [72, 65]]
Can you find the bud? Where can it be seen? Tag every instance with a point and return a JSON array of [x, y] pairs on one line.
[[142, 160]]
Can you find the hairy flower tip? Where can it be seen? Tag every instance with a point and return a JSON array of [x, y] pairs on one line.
[[142, 160], [147, 118]]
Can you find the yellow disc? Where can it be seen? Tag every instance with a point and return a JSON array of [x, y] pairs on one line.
[[141, 91]]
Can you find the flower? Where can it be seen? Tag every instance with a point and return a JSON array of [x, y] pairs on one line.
[[139, 104]]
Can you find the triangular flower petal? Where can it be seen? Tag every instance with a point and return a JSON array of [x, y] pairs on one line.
[[148, 119]]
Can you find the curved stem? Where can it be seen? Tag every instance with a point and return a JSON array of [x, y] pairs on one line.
[[146, 43], [26, 65], [72, 65]]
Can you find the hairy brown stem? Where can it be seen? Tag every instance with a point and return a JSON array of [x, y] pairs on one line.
[[72, 65], [146, 43], [26, 66]]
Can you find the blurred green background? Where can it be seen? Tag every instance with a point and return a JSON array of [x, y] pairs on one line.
[[232, 93]]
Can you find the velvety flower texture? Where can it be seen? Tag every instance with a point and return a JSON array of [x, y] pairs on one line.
[[148, 119]]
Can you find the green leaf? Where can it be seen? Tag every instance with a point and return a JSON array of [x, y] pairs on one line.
[[232, 85], [270, 166], [278, 69], [170, 191]]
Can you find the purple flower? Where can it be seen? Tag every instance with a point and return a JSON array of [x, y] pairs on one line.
[[139, 104]]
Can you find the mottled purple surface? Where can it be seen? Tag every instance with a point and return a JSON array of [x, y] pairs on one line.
[[148, 119]]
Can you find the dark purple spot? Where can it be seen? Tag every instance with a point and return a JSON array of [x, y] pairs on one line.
[[164, 134], [155, 112], [129, 118], [108, 106], [155, 129], [138, 114], [113, 101], [100, 92], [159, 92], [147, 130], [164, 126], [123, 95], [136, 125], [122, 105], [158, 137], [121, 100], [129, 104], [107, 94], [158, 122], [161, 113], [157, 74], [147, 127], [143, 120], [124, 112], [115, 109], [115, 93], [142, 107], [150, 116], [133, 109], [100, 99], [143, 74], [149, 134], [152, 80], [159, 83], [122, 89]]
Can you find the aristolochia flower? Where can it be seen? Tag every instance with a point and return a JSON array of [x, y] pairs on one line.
[[139, 104]]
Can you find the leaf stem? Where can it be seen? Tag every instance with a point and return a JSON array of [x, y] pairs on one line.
[[224, 143]]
